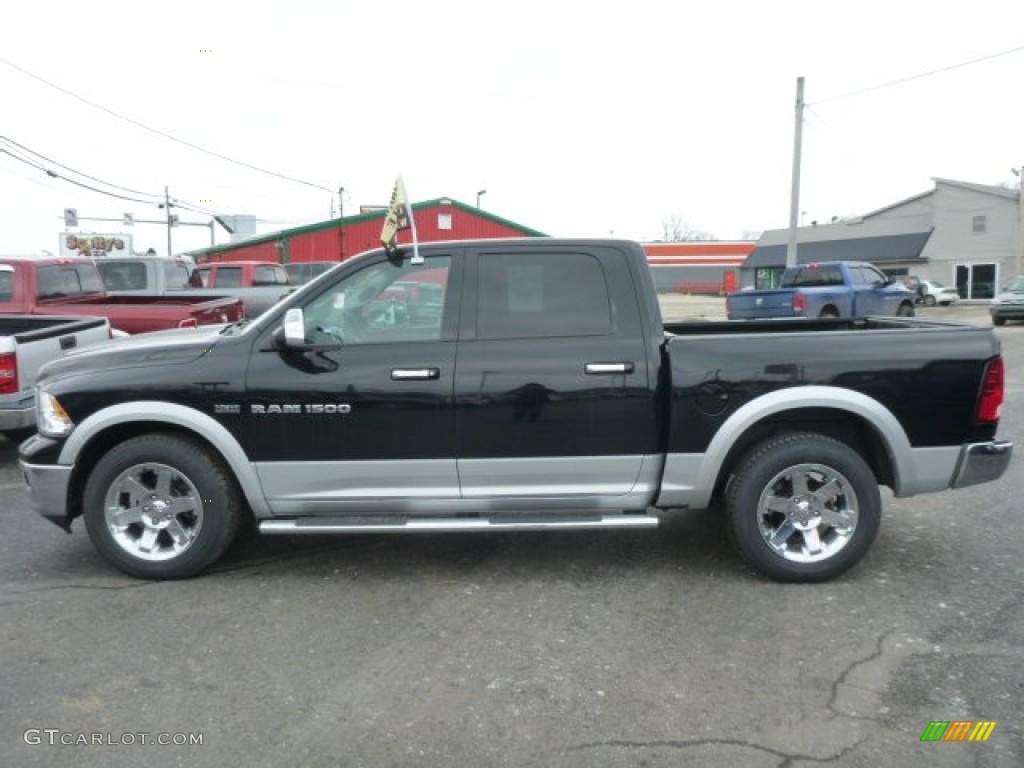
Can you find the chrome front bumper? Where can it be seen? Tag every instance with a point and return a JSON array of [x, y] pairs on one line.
[[982, 463], [47, 486]]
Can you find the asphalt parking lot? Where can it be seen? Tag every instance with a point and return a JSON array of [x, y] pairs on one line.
[[616, 648]]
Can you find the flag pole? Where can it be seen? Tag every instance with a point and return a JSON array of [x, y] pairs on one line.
[[416, 258]]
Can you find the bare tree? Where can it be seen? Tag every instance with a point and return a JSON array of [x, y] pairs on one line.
[[676, 229], [751, 234]]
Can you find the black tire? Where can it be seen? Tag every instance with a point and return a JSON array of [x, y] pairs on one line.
[[764, 503], [929, 301], [906, 310], [998, 320], [828, 313], [180, 509]]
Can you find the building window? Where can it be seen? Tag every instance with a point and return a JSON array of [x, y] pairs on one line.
[[444, 221], [976, 281], [979, 224]]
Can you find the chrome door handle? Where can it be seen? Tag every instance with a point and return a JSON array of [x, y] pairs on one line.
[[415, 374], [599, 369]]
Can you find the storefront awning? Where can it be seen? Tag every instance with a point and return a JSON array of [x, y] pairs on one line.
[[884, 249]]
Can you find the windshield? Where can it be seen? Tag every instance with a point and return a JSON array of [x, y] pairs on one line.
[[1017, 285]]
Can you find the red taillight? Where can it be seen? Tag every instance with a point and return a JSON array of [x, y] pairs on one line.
[[189, 322], [799, 303], [8, 373], [992, 385]]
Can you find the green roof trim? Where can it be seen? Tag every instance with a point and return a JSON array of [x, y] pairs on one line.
[[321, 226]]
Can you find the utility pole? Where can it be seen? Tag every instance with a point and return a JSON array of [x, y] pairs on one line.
[[794, 198], [1019, 250], [167, 207]]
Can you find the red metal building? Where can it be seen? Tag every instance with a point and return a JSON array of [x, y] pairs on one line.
[[338, 239], [697, 266]]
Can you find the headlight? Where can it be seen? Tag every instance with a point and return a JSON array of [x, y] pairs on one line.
[[51, 418]]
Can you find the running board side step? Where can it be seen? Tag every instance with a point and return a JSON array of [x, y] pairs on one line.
[[454, 524]]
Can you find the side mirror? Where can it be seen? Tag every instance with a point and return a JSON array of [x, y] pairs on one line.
[[294, 328]]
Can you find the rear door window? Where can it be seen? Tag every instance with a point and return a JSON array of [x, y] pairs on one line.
[[541, 295]]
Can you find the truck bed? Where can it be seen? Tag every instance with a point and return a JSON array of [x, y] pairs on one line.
[[937, 371]]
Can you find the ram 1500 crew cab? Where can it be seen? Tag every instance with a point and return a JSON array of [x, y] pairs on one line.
[[508, 385]]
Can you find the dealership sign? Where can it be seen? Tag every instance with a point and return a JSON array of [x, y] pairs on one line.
[[95, 246]]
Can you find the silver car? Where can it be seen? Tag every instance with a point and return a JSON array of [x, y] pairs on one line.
[[1009, 305]]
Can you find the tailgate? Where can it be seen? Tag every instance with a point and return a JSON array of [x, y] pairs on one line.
[[61, 335], [751, 305]]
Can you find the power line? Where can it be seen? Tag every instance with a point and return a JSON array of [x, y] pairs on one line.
[[919, 76], [30, 161], [32, 152], [55, 175], [158, 132]]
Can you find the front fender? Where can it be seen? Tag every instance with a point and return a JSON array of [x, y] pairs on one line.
[[180, 416]]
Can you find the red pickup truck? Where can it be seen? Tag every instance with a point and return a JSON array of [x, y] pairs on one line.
[[74, 287]]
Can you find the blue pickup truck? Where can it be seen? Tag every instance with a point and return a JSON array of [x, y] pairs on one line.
[[825, 289]]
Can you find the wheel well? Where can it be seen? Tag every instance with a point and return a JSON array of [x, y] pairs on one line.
[[843, 426], [831, 309], [99, 444]]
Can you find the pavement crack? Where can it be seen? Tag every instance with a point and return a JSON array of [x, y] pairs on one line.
[[787, 758], [845, 674]]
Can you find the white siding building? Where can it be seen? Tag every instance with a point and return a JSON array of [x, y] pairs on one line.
[[975, 234], [961, 234]]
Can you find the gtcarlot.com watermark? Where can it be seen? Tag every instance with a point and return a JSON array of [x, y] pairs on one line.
[[56, 737]]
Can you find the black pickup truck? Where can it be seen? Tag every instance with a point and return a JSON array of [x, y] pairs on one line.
[[509, 385]]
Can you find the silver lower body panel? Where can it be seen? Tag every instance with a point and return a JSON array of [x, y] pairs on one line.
[[47, 487], [443, 488], [322, 525]]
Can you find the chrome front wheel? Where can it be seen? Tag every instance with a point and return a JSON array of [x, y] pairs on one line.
[[153, 512], [161, 506]]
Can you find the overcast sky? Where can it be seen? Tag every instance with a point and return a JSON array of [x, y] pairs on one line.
[[578, 118]]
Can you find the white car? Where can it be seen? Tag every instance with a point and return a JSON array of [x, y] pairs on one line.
[[937, 293]]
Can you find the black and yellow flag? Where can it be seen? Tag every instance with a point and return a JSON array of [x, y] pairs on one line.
[[398, 216]]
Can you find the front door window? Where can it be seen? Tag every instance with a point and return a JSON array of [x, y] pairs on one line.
[[385, 303]]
